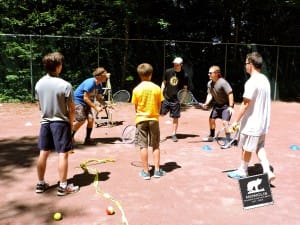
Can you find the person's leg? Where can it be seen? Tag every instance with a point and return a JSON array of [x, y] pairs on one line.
[[45, 144], [144, 159], [212, 127], [76, 126], [175, 114], [155, 144], [80, 118], [89, 127], [142, 144], [249, 145], [63, 167], [63, 144], [262, 156], [42, 164], [175, 126]]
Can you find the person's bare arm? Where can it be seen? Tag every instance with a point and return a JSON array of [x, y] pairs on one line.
[[87, 100], [243, 108]]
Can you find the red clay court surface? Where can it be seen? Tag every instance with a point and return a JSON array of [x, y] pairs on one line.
[[195, 191]]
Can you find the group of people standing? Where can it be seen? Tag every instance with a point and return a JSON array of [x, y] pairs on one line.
[[64, 112]]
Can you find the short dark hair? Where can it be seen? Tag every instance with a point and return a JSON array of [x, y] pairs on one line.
[[145, 70], [51, 61], [255, 59]]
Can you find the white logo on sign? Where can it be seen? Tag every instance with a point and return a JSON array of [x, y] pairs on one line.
[[252, 186]]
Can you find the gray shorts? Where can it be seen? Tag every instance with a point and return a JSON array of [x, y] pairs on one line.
[[147, 134], [221, 112], [83, 113], [251, 143]]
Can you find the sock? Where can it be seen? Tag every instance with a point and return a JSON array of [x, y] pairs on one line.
[[227, 137], [244, 166], [41, 182], [63, 184], [262, 155], [212, 132], [88, 133]]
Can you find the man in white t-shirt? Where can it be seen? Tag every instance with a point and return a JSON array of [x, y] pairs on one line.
[[254, 117]]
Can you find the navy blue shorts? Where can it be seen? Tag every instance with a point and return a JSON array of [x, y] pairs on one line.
[[55, 136], [221, 112], [172, 107]]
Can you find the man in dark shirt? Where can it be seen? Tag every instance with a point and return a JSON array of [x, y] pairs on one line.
[[174, 80]]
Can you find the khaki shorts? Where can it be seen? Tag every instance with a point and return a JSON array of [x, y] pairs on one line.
[[147, 134], [251, 143], [83, 113]]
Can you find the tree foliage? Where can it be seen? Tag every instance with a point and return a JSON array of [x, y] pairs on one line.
[[110, 32]]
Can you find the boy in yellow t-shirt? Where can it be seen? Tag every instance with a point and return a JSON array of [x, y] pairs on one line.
[[147, 98]]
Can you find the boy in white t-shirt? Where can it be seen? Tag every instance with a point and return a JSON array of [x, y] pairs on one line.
[[254, 116]]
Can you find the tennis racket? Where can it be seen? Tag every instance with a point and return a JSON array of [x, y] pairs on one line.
[[228, 136], [128, 134], [121, 96], [187, 98]]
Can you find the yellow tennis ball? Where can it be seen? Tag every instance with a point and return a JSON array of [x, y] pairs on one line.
[[57, 216]]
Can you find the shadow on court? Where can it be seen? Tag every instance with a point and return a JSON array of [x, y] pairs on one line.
[[17, 153]]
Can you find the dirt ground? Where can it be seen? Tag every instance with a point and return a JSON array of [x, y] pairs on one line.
[[195, 191]]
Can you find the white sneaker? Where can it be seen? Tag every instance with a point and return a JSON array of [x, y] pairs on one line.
[[208, 139], [271, 176]]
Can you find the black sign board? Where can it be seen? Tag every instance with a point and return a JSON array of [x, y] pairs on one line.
[[255, 191]]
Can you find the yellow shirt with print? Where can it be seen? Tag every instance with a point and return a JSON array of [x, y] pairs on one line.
[[147, 98]]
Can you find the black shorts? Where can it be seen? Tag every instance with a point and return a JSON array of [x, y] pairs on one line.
[[221, 112], [55, 136], [172, 107]]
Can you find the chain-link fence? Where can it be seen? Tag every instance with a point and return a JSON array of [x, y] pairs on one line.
[[21, 66]]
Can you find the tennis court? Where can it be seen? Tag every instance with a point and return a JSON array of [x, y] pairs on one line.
[[195, 190]]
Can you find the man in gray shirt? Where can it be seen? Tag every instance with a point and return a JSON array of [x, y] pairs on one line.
[[219, 90]]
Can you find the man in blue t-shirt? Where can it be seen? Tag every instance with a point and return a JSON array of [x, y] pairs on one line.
[[84, 96]]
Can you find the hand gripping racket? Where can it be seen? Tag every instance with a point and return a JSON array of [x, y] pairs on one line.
[[228, 136], [187, 98]]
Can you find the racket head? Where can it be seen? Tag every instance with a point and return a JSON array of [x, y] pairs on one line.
[[121, 96], [184, 97], [128, 134], [228, 134]]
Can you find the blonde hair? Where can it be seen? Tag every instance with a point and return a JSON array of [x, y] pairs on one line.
[[145, 70]]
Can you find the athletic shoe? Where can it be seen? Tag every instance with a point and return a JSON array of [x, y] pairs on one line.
[[40, 188], [208, 139], [145, 175], [174, 138], [237, 174], [68, 190], [89, 141], [226, 145], [159, 173], [271, 176]]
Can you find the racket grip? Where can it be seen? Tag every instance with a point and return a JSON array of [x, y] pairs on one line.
[[236, 127]]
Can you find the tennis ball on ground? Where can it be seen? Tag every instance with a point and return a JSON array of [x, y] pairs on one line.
[[57, 216], [110, 210]]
